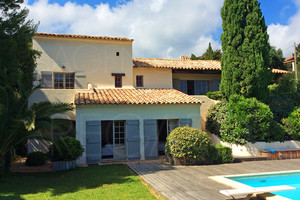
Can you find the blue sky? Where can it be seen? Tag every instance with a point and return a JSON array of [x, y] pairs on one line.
[[161, 28], [275, 11]]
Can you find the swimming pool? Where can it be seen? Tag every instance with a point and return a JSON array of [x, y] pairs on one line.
[[288, 178]]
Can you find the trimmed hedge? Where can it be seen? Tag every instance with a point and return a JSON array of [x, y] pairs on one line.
[[224, 154], [36, 158], [188, 143]]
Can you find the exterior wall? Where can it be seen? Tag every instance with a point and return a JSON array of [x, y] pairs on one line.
[[55, 96], [253, 149], [154, 78], [132, 112], [95, 58], [207, 103]]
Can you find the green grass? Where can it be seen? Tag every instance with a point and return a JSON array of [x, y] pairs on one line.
[[94, 182]]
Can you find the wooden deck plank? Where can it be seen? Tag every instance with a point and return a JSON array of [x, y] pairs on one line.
[[192, 182]]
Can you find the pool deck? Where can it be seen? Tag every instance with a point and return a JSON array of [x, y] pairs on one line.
[[192, 182]]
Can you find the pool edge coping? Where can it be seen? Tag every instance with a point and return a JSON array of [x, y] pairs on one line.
[[224, 179]]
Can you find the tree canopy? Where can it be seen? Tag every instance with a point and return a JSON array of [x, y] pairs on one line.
[[246, 50], [276, 58], [210, 54]]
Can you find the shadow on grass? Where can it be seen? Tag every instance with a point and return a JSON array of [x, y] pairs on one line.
[[13, 186]]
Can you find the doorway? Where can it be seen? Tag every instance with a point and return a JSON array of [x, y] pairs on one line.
[[113, 140], [190, 87], [162, 131], [164, 128]]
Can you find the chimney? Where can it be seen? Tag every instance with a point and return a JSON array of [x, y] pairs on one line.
[[184, 58]]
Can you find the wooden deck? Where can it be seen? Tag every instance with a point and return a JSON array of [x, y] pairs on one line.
[[192, 182]]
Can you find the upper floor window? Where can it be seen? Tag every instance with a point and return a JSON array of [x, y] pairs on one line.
[[64, 80], [139, 81], [118, 81]]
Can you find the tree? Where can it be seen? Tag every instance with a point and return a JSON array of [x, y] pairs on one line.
[[245, 45], [276, 58], [17, 65], [210, 54]]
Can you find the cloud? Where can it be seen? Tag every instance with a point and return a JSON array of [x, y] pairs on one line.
[[160, 28], [284, 36]]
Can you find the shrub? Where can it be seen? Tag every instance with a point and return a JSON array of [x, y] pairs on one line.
[[187, 142], [66, 148], [216, 95], [219, 154], [292, 124], [248, 121], [284, 96], [36, 158], [224, 154], [215, 117]]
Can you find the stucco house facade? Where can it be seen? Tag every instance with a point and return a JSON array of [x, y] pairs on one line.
[[121, 112], [124, 107]]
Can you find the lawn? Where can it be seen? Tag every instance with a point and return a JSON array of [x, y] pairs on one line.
[[94, 182]]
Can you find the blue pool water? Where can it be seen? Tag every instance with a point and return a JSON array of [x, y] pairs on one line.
[[290, 179]]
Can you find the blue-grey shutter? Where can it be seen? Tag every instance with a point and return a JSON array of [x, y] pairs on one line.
[[133, 139], [46, 79], [183, 86], [204, 87], [185, 122], [93, 142], [197, 88], [215, 85], [151, 139]]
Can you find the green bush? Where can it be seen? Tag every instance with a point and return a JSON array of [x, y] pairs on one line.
[[219, 154], [216, 95], [187, 142], [248, 121], [292, 124], [215, 117], [36, 158], [224, 154], [284, 96], [66, 148]]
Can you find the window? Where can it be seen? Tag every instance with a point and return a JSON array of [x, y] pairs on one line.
[[118, 81], [63, 80], [139, 81], [119, 127], [117, 53]]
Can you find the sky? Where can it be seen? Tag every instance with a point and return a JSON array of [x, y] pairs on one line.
[[161, 28]]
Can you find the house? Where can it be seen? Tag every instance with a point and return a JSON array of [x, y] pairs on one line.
[[121, 112], [124, 107], [291, 60]]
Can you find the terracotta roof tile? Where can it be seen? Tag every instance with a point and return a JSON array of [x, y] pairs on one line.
[[184, 64], [134, 96], [280, 71], [177, 64], [83, 37]]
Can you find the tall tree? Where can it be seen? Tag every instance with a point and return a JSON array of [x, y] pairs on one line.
[[210, 54], [17, 65], [245, 45]]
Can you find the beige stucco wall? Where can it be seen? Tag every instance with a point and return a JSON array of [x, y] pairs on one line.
[[154, 78], [55, 96], [132, 112], [253, 149], [96, 58], [181, 76]]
